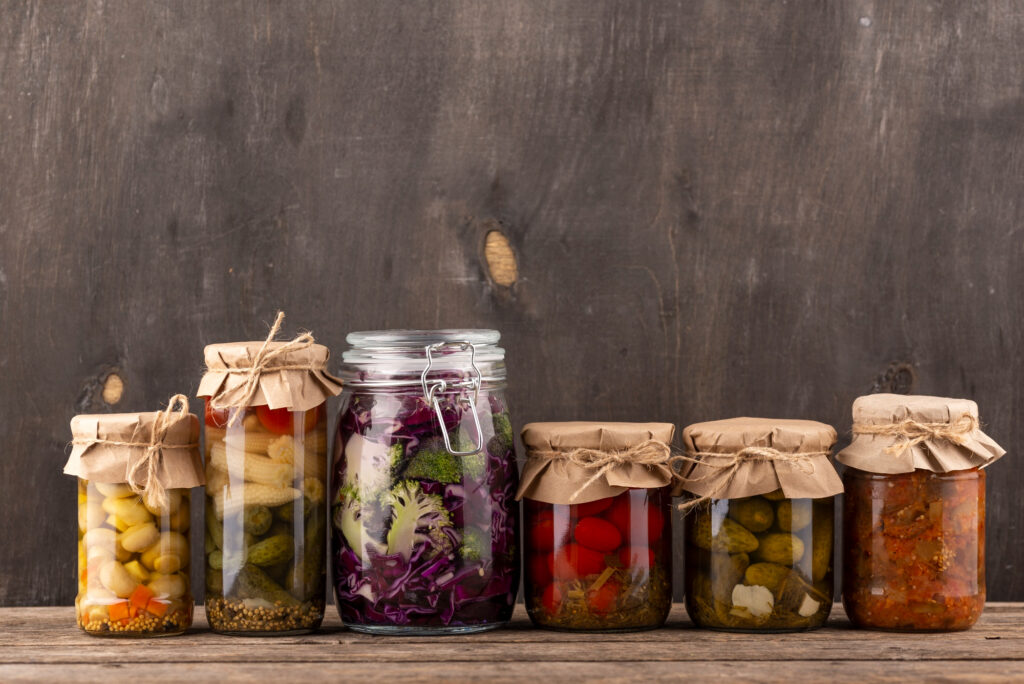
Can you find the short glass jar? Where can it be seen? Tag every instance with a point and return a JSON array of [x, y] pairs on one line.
[[760, 563], [425, 525], [133, 559], [914, 513], [605, 565], [914, 549]]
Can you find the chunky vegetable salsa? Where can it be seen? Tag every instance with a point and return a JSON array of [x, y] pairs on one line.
[[914, 557]]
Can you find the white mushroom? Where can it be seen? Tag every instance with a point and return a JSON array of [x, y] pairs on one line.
[[809, 606], [756, 599]]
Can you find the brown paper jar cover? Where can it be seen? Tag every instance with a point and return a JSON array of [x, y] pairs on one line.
[[868, 452], [813, 477], [555, 481], [297, 389], [179, 467]]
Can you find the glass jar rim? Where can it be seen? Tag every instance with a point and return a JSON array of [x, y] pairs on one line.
[[389, 357]]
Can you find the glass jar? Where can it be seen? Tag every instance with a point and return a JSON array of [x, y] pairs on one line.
[[605, 565], [133, 559], [424, 518], [265, 519], [914, 549], [760, 563]]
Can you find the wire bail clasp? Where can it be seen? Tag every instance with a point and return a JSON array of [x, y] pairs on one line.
[[441, 385]]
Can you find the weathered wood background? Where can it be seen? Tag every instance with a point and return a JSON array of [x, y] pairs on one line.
[[714, 208]]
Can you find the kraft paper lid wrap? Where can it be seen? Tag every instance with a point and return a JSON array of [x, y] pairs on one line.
[[290, 375], [896, 433], [739, 457], [579, 462], [151, 452]]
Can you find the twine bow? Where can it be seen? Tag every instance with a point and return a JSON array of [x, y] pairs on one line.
[[153, 492], [650, 452], [732, 463], [263, 361], [913, 432]]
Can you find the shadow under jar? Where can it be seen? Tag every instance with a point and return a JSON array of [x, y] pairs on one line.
[[914, 513], [424, 519]]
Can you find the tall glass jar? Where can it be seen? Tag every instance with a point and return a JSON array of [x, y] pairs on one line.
[[266, 480], [133, 559], [425, 523], [914, 549], [914, 513], [760, 563]]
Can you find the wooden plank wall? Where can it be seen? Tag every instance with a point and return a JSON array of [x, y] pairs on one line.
[[710, 208]]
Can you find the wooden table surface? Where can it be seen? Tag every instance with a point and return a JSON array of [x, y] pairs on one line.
[[44, 644]]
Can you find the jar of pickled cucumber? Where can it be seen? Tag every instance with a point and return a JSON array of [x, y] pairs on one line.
[[266, 482], [597, 525], [914, 513], [135, 472], [759, 530]]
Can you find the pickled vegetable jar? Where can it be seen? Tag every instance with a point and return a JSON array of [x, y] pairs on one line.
[[133, 530], [914, 513], [759, 535], [597, 532], [266, 490], [423, 513]]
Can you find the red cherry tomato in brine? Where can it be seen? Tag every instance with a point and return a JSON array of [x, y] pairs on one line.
[[217, 418], [602, 599], [573, 561], [636, 557], [283, 421], [636, 503], [538, 571], [618, 514], [591, 507], [597, 534], [655, 523], [551, 599], [542, 532]]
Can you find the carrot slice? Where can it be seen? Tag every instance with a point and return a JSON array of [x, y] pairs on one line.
[[119, 611], [140, 597], [156, 608]]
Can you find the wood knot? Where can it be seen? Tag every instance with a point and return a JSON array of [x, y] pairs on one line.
[[113, 389], [501, 260]]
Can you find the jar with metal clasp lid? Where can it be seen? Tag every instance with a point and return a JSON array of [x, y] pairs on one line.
[[424, 521]]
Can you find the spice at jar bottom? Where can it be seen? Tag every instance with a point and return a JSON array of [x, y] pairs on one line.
[[258, 615]]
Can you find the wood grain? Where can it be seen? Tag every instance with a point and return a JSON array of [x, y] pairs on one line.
[[42, 643], [714, 211]]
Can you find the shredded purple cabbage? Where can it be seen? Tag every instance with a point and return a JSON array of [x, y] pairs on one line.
[[463, 571]]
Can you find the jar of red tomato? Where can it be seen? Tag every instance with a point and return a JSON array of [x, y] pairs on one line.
[[914, 513], [597, 526], [266, 484]]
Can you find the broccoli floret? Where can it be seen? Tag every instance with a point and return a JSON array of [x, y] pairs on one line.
[[475, 544], [434, 462], [416, 518], [348, 517], [503, 430]]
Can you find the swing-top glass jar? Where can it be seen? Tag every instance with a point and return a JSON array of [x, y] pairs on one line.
[[424, 519]]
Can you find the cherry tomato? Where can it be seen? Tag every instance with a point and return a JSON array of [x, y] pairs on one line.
[[633, 503], [551, 599], [217, 418], [592, 507], [636, 557], [573, 561], [603, 598], [597, 534], [282, 421], [618, 514], [538, 571]]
